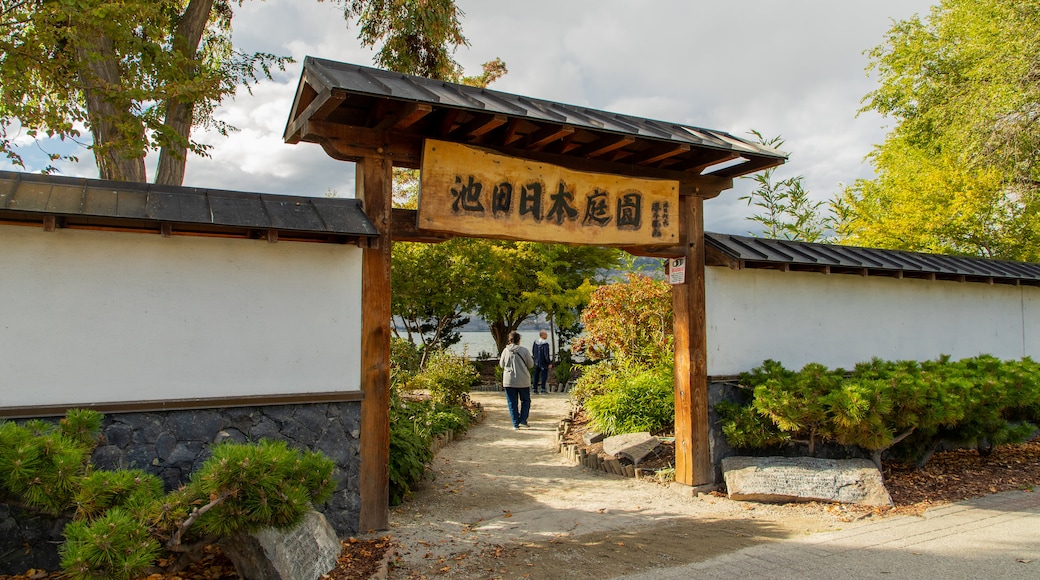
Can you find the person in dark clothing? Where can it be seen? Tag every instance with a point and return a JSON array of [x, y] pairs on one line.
[[542, 362]]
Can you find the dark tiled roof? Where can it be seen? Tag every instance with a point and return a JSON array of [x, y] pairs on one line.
[[748, 252], [356, 96], [79, 202]]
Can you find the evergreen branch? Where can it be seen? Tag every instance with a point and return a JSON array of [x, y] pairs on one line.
[[174, 543]]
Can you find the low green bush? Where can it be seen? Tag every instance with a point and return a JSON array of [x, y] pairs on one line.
[[413, 425], [597, 378], [414, 422], [448, 377], [746, 428], [564, 367], [405, 360], [643, 401], [409, 454]]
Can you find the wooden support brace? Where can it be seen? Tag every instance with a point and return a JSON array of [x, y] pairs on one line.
[[543, 137], [658, 154], [318, 110], [447, 124], [509, 135], [404, 118], [602, 146], [480, 126]]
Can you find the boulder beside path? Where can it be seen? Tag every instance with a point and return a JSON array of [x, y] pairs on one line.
[[789, 479], [305, 552]]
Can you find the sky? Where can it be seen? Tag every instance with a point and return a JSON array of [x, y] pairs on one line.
[[791, 68]]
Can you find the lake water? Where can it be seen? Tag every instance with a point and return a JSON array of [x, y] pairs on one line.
[[475, 343]]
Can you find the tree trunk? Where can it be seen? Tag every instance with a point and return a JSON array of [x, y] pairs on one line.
[[500, 332], [552, 337], [174, 155], [179, 114], [118, 135]]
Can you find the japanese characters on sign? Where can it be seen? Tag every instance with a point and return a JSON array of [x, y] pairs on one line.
[[676, 268], [470, 191]]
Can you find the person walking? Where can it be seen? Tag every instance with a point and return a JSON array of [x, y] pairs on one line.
[[516, 362], [542, 362]]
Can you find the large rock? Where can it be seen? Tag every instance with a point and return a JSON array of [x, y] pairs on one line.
[[302, 553], [785, 479], [634, 446]]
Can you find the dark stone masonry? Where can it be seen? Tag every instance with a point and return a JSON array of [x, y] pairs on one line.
[[171, 444]]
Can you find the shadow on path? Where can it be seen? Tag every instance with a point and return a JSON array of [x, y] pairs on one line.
[[501, 503]]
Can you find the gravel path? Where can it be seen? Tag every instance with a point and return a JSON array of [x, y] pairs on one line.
[[501, 503]]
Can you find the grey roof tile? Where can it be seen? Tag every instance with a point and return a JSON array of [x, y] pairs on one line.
[[765, 252], [115, 201], [380, 84]]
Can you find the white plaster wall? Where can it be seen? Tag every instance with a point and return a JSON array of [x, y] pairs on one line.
[[90, 316], [840, 320]]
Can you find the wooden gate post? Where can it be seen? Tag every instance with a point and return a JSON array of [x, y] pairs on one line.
[[692, 449], [374, 181]]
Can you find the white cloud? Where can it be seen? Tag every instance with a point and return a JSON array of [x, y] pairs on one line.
[[793, 68]]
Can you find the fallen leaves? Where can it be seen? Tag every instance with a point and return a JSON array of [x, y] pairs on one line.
[[963, 474]]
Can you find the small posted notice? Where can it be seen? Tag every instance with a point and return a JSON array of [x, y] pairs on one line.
[[677, 270]]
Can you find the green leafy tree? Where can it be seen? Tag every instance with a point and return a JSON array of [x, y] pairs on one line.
[[138, 74], [524, 278], [959, 170], [416, 38], [785, 210], [933, 202], [142, 74], [564, 286], [434, 285]]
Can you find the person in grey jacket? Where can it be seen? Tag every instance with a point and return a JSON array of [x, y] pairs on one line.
[[516, 362]]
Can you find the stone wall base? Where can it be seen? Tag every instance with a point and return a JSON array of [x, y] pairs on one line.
[[172, 444]]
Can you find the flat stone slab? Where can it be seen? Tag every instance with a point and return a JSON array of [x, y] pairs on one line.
[[591, 437], [634, 446], [788, 479]]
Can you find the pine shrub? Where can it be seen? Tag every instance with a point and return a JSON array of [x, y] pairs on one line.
[[901, 406], [122, 521]]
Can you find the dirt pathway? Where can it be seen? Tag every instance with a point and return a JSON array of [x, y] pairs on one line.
[[501, 503]]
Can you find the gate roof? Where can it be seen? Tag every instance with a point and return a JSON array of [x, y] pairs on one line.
[[334, 94]]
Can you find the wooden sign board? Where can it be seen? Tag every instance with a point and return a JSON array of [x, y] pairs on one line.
[[474, 192]]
